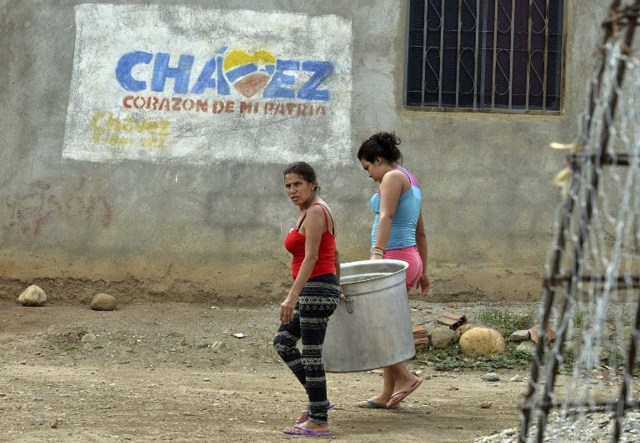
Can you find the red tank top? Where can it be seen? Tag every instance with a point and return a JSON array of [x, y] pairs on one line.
[[294, 242]]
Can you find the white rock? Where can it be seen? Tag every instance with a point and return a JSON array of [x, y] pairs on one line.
[[442, 337], [33, 296], [491, 376], [527, 346], [519, 336], [88, 338]]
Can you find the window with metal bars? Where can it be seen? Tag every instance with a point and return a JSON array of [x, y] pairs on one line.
[[485, 55]]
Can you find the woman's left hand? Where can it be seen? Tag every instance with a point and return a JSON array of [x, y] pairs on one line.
[[286, 311], [424, 284]]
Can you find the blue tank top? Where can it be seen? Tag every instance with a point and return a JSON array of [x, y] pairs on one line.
[[405, 220]]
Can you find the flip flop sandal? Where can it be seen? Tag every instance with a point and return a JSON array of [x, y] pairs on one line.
[[307, 413], [372, 404], [398, 396], [301, 430]]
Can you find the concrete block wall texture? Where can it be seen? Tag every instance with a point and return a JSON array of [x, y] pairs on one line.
[[204, 218]]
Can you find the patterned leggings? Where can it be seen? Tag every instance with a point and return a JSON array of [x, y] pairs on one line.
[[316, 303]]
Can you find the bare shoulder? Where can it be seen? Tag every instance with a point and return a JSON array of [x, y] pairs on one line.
[[317, 208], [320, 211], [395, 178], [397, 174]]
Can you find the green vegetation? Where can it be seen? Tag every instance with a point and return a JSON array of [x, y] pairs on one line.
[[452, 358], [616, 358], [506, 322], [578, 320], [502, 321]]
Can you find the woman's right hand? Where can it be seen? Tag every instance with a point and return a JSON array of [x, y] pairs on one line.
[[286, 311], [376, 257]]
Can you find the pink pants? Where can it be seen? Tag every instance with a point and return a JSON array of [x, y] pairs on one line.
[[411, 256]]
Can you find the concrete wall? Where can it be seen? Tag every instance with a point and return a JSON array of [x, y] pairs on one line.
[[205, 217]]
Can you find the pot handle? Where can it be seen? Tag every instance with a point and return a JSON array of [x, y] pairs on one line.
[[348, 302]]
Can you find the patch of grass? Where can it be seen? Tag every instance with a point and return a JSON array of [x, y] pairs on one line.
[[628, 317], [568, 361], [504, 321], [453, 359], [578, 320], [443, 359], [616, 358]]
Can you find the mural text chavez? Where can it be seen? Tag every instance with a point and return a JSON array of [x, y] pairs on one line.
[[258, 77]]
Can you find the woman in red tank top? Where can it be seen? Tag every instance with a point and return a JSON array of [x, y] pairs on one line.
[[313, 296]]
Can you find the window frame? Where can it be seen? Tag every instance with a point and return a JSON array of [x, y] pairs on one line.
[[560, 71]]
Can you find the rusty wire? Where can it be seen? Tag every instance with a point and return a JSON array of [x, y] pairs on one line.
[[619, 27]]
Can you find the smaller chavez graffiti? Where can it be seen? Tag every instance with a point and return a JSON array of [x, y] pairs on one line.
[[112, 130]]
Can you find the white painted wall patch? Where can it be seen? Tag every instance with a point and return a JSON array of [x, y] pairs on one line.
[[164, 83]]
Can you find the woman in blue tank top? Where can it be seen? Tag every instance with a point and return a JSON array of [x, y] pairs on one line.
[[397, 233]]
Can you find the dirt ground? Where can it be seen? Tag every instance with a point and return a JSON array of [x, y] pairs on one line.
[[176, 372]]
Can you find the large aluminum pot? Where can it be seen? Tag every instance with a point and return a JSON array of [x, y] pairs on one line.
[[371, 328]]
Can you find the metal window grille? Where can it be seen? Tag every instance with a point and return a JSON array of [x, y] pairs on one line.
[[486, 55]]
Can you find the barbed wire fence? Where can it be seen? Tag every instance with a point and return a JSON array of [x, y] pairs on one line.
[[591, 289]]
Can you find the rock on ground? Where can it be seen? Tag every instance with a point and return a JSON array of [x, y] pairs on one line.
[[479, 342], [33, 296], [103, 302]]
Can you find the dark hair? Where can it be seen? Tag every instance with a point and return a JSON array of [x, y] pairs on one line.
[[382, 144], [304, 170]]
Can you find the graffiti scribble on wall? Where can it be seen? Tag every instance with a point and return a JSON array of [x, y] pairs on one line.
[[41, 205], [209, 85]]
